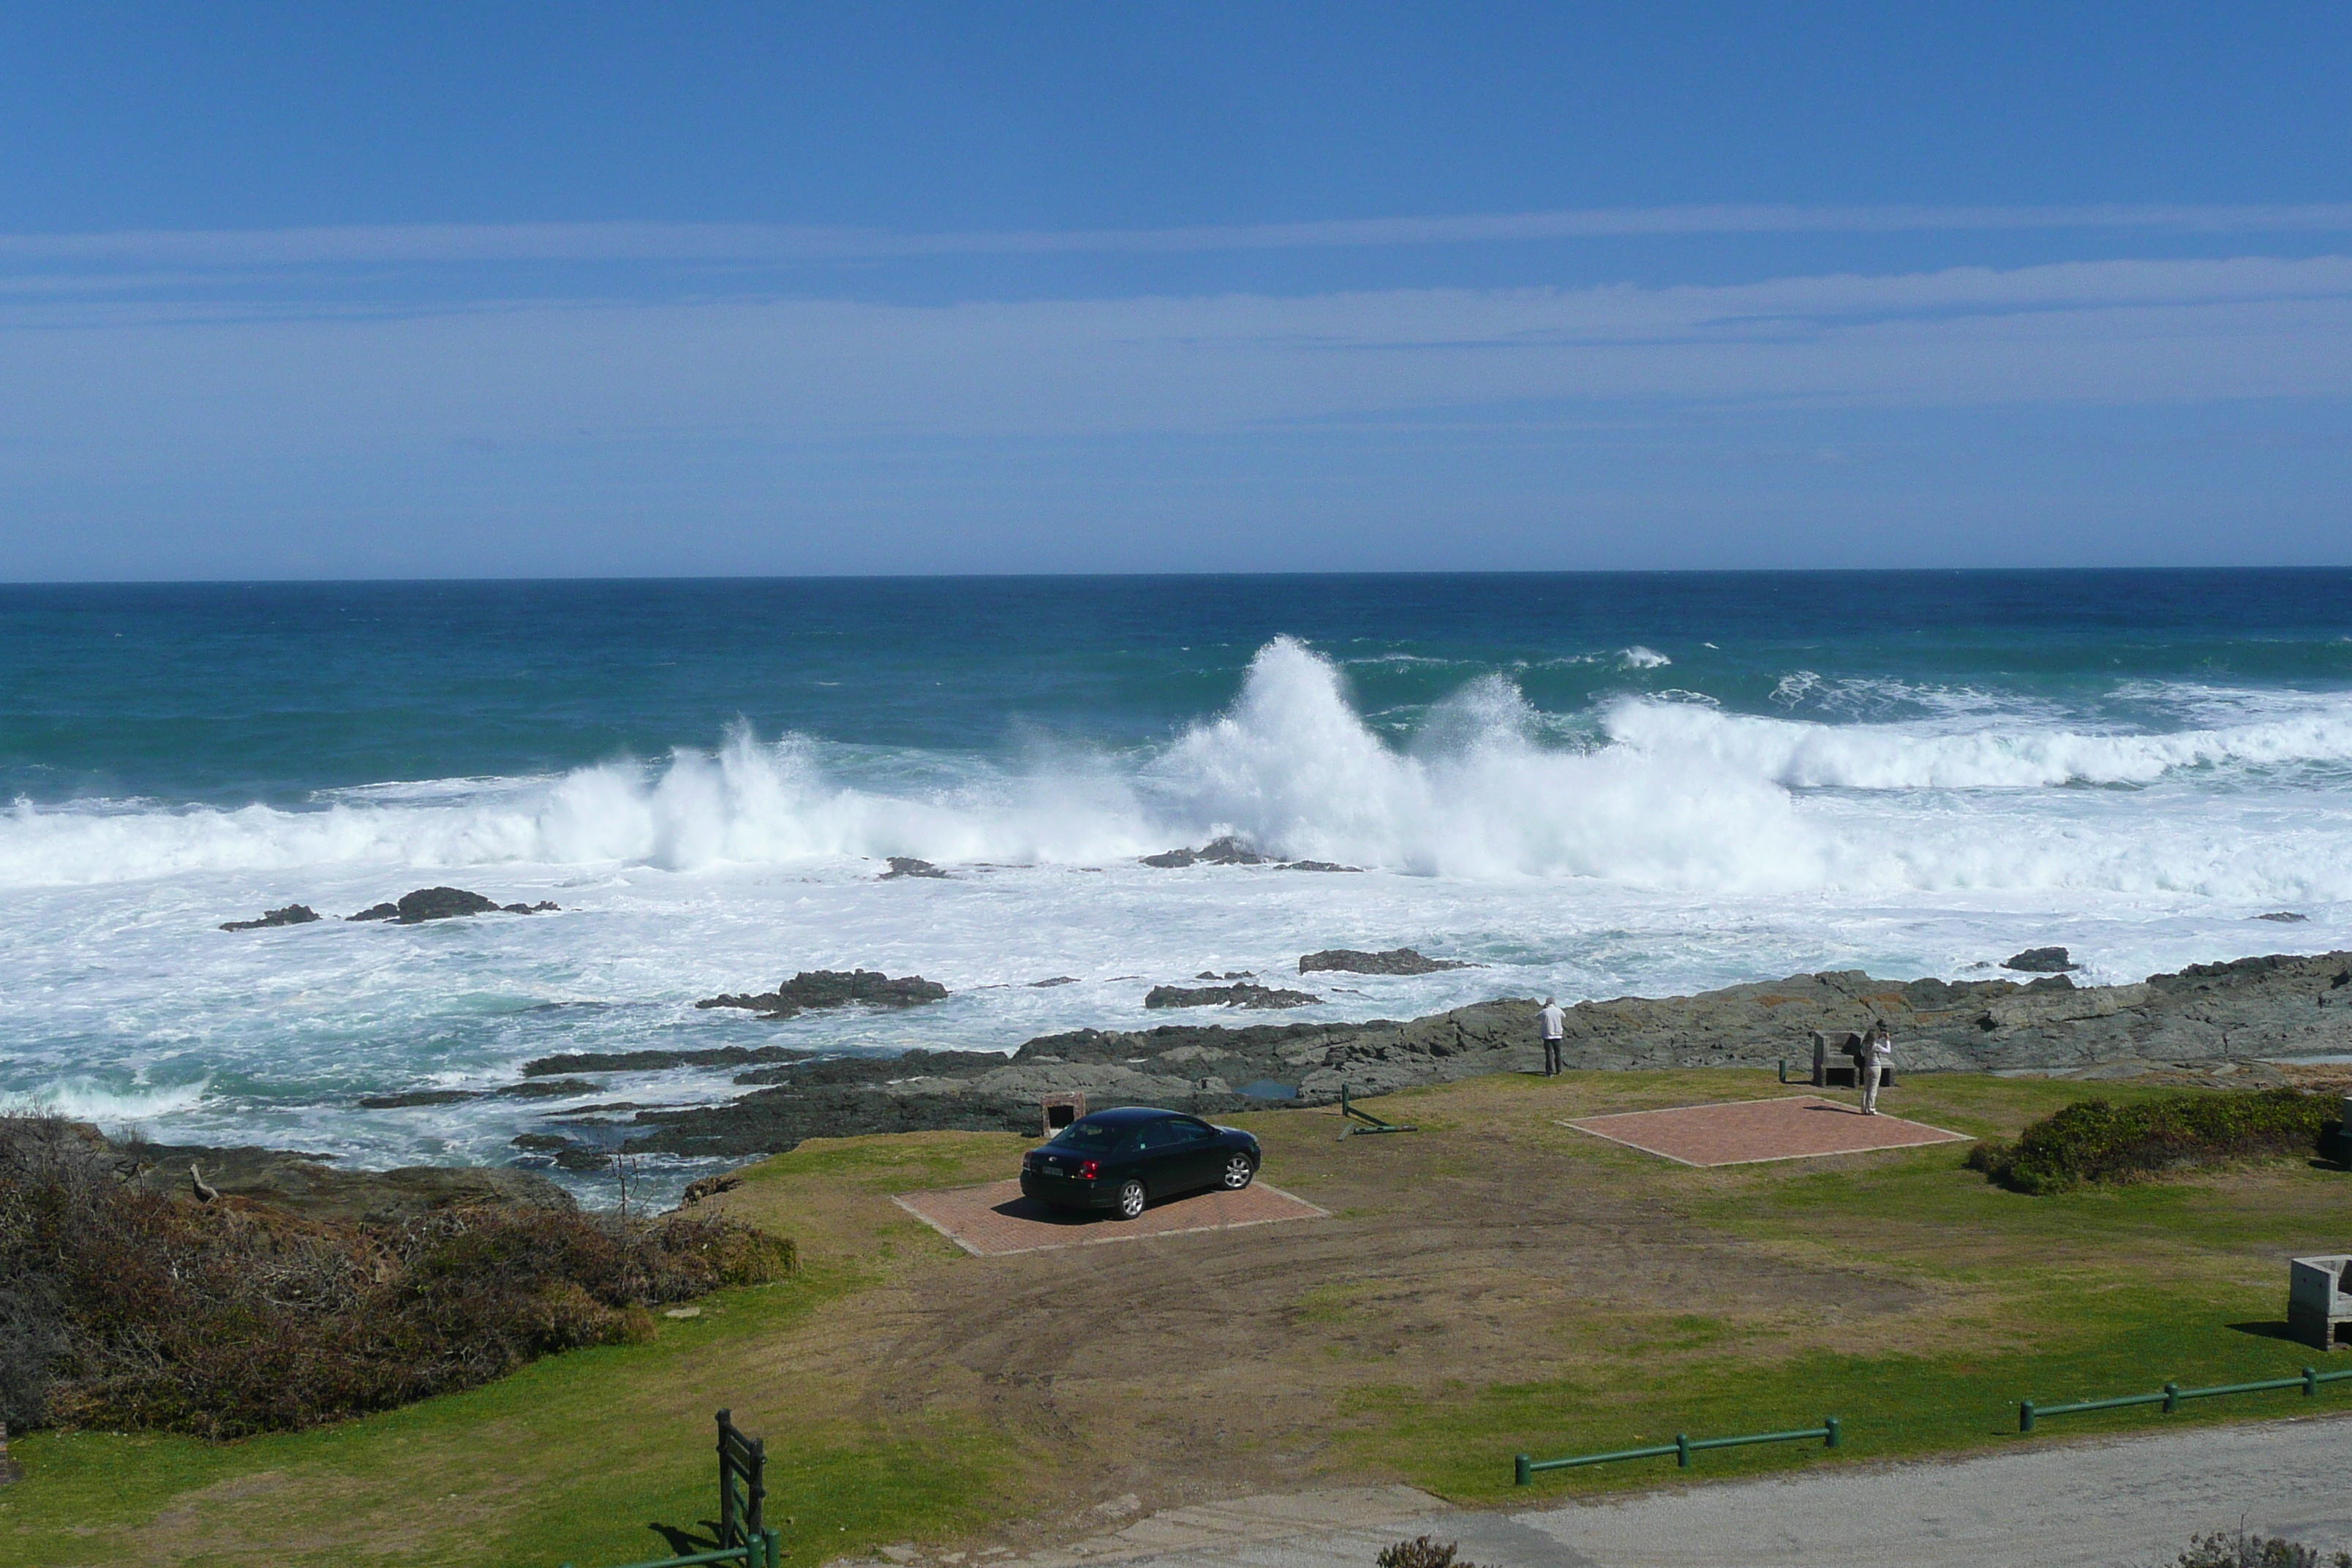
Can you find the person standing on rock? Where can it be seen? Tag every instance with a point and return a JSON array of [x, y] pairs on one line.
[[1877, 1056], [1555, 1023]]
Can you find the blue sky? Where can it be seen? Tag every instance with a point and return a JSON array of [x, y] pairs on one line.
[[532, 291]]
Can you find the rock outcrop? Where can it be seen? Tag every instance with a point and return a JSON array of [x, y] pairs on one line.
[[834, 988], [444, 904], [2041, 960], [1395, 961], [292, 915], [1242, 994], [907, 865], [2251, 1008], [1225, 851]]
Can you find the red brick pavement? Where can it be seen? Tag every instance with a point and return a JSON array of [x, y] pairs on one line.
[[996, 1219], [1751, 1131]]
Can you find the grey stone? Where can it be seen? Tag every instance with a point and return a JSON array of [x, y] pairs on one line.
[[2040, 961], [292, 915], [1395, 961]]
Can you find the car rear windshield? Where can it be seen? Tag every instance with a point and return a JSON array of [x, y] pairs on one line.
[[1095, 1137]]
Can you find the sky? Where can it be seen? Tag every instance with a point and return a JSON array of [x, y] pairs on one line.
[[713, 290]]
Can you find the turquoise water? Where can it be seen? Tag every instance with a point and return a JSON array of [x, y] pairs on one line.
[[1591, 785]]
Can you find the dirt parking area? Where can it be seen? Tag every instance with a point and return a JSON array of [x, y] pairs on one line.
[[1491, 1244]]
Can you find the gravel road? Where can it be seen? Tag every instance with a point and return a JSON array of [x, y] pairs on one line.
[[2057, 1505]]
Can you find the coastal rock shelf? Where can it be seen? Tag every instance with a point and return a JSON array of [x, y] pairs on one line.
[[2254, 1007], [1395, 961], [834, 988]]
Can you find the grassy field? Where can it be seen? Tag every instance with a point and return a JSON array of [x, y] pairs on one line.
[[1493, 1284]]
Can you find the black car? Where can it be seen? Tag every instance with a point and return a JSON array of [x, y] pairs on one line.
[[1120, 1159]]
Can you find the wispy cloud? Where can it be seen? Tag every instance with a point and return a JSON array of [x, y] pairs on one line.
[[579, 242], [130, 385]]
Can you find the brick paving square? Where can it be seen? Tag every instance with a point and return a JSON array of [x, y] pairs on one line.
[[996, 1219], [1751, 1132]]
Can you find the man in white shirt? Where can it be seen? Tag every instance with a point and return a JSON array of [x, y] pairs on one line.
[[1555, 1023]]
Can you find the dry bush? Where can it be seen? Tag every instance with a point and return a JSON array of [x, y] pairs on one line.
[[124, 1308], [1421, 1551], [2243, 1551]]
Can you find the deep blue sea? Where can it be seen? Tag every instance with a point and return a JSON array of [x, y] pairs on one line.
[[1589, 784]]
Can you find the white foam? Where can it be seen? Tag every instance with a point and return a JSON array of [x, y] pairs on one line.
[[1670, 791], [84, 1099]]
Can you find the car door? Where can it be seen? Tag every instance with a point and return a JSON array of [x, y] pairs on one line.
[[1162, 1150], [1192, 1152]]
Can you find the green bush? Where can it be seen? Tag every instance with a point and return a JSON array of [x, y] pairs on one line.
[[125, 1308], [2094, 1141]]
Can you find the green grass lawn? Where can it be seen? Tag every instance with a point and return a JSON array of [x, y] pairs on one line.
[[2091, 1293]]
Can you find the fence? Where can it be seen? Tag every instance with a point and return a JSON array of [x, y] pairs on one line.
[[2028, 1415], [744, 1537], [1682, 1448], [2029, 1412]]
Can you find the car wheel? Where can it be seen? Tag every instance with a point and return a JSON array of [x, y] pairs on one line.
[[1131, 1199], [1238, 1172]]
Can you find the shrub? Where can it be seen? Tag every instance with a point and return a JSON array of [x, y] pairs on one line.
[[2093, 1141], [1421, 1551], [129, 1309], [2243, 1551]]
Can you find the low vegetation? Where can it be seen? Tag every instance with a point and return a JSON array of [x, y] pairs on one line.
[[1425, 1551], [1497, 1283], [125, 1308], [2098, 1140], [2243, 1551]]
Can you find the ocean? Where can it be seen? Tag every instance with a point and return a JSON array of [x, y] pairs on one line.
[[1588, 786]]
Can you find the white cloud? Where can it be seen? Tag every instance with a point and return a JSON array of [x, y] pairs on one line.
[[644, 242], [138, 388]]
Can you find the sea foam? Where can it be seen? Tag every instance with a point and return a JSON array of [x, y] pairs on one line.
[[1668, 794]]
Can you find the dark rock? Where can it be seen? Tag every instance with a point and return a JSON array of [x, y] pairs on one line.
[[835, 988], [2041, 960], [1395, 961], [654, 1061], [548, 1088], [580, 1159], [2285, 917], [1318, 866], [907, 865], [703, 1187], [540, 1143], [418, 1096], [1225, 851], [2252, 1009], [1057, 980], [1242, 996], [377, 912], [441, 904], [292, 915], [542, 906], [878, 1070], [1228, 975]]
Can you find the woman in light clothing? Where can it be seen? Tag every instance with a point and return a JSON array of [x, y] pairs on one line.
[[1877, 1057]]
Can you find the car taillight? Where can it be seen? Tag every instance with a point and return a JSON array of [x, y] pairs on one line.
[[1089, 1169]]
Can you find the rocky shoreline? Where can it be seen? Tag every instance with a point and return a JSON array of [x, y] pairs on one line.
[[2209, 1015]]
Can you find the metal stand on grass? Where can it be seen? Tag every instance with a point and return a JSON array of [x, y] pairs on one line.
[[1363, 1122]]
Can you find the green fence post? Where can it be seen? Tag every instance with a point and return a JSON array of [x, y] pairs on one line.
[[775, 1540], [2025, 1416], [1681, 1449], [1836, 1439], [2171, 1397], [1523, 1471], [2311, 1383]]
